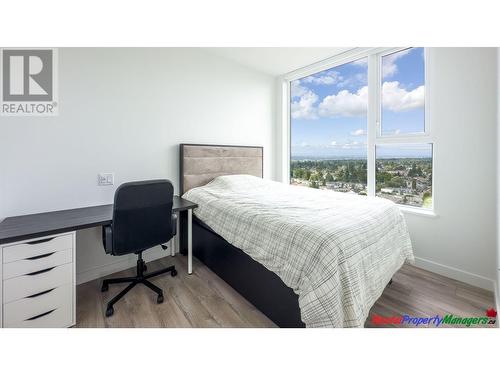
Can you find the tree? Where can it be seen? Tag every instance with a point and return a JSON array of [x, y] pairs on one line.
[[396, 182], [427, 199], [415, 171], [298, 173], [314, 184], [315, 177]]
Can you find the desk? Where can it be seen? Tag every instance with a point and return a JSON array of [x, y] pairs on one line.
[[26, 227], [40, 248]]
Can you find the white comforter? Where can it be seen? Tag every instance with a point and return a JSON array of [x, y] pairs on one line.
[[337, 251]]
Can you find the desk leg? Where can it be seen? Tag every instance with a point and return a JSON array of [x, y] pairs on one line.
[[173, 246], [176, 247], [178, 236], [190, 241]]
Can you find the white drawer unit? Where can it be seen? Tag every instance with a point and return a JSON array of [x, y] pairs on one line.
[[38, 282]]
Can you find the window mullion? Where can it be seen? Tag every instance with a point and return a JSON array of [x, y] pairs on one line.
[[373, 119]]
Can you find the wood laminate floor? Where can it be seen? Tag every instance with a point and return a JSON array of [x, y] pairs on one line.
[[204, 300]]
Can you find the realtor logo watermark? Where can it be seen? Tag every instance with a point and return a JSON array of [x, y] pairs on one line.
[[28, 82]]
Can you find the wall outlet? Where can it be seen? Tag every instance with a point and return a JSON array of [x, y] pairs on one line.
[[104, 179]]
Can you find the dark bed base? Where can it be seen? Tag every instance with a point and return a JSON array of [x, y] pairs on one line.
[[261, 287]]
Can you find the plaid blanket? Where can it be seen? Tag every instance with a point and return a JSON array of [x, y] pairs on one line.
[[337, 251]]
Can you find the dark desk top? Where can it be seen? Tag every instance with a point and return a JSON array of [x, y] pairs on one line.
[[20, 228]]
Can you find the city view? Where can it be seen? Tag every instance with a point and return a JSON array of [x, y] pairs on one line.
[[405, 180]]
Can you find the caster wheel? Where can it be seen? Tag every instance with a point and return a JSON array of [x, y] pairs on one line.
[[109, 311], [173, 273], [104, 287], [159, 299]]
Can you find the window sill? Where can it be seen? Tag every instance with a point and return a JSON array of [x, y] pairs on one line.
[[417, 211]]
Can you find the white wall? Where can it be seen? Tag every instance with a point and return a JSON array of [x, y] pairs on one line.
[[498, 184], [460, 241], [125, 111]]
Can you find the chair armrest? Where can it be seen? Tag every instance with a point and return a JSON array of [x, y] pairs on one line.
[[107, 238]]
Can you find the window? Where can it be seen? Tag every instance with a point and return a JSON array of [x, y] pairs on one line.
[[403, 168], [329, 129], [332, 112], [404, 173], [403, 92]]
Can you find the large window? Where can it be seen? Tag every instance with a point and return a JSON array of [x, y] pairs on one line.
[[360, 127], [329, 129]]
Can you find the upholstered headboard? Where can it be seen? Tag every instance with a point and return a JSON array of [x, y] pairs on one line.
[[200, 164]]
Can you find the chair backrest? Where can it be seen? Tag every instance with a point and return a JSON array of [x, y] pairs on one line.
[[142, 216]]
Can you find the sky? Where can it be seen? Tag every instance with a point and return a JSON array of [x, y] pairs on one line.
[[329, 108]]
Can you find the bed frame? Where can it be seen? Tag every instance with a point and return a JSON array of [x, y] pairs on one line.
[[199, 164]]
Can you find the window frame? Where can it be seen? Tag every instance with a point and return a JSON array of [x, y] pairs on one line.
[[374, 115]]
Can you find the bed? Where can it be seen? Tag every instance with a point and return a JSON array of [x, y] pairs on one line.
[[304, 257]]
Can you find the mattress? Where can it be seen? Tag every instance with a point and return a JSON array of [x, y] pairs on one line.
[[337, 251]]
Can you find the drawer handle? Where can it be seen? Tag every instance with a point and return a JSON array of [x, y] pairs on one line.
[[40, 241], [41, 271], [41, 256], [41, 293], [39, 316]]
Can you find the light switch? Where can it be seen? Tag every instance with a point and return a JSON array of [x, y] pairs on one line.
[[104, 179]]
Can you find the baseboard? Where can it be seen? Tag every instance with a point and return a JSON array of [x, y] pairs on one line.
[[457, 274], [120, 265], [497, 302]]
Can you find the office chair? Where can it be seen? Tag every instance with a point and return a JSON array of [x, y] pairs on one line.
[[142, 218]]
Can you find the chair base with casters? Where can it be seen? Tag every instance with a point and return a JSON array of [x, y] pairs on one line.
[[140, 278]]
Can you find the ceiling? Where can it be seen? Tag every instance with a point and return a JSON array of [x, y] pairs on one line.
[[276, 60]]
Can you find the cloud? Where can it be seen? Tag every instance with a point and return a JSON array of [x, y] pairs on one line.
[[355, 104], [345, 103], [353, 81], [329, 77], [345, 145], [304, 144], [359, 132], [395, 98], [296, 89], [303, 102], [355, 144], [361, 62], [304, 108], [389, 67]]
